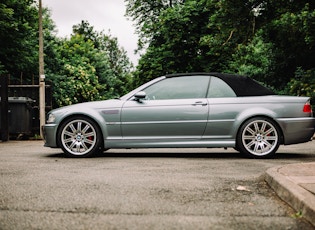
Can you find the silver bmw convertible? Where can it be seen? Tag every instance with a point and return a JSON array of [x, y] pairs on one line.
[[196, 110]]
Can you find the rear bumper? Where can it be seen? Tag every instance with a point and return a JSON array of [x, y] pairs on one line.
[[297, 130]]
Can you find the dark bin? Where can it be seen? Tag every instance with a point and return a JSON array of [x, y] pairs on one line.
[[20, 115]]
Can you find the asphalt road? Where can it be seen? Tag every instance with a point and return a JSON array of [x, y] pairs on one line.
[[142, 189]]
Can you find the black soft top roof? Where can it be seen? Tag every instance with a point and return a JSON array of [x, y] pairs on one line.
[[243, 86]]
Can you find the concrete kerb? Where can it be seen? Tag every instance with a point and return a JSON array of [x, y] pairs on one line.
[[298, 198]]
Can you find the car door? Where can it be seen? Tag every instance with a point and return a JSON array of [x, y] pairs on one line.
[[173, 108], [223, 108]]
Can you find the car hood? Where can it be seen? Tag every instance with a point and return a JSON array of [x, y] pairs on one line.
[[112, 103]]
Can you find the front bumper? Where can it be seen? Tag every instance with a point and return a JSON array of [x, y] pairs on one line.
[[50, 134]]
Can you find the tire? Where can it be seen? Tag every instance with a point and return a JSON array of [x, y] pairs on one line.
[[80, 137], [258, 138]]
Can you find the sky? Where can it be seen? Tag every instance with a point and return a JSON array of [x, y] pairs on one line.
[[103, 15]]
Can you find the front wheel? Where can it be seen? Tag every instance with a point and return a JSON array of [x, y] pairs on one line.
[[80, 137], [258, 138]]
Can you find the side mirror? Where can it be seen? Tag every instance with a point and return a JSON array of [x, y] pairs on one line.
[[140, 95]]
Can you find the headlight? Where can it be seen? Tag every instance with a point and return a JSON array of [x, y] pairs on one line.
[[51, 118]]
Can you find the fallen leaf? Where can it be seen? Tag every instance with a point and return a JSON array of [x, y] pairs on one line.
[[242, 188]]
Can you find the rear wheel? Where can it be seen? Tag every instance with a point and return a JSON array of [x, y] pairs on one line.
[[80, 137], [258, 138]]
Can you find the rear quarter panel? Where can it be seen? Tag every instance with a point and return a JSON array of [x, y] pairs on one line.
[[228, 114]]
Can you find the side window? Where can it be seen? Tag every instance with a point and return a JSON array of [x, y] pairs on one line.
[[218, 88], [178, 88]]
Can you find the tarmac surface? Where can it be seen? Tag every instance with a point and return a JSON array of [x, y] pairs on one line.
[[294, 184]]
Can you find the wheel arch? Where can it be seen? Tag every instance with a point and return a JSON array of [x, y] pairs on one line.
[[259, 115], [84, 115], [255, 143]]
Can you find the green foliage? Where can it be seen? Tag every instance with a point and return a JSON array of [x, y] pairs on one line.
[[254, 60], [52, 60], [112, 65], [177, 45], [146, 14], [303, 84], [272, 41], [119, 82], [76, 80], [266, 40], [90, 66], [297, 215], [290, 27], [18, 37], [231, 25], [196, 36]]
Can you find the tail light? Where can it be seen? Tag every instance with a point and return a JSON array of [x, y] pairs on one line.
[[307, 107]]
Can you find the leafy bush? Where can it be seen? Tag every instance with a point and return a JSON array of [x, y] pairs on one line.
[[303, 84]]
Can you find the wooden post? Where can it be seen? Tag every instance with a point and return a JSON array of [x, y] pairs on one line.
[[41, 71], [4, 108]]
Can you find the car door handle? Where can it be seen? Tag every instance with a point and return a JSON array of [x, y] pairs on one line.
[[202, 103]]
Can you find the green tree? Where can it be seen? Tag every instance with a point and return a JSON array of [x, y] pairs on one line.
[[120, 82], [196, 36], [289, 25], [303, 84], [176, 46], [76, 81], [146, 15], [52, 59], [254, 59], [116, 74], [267, 40], [18, 37], [90, 66]]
